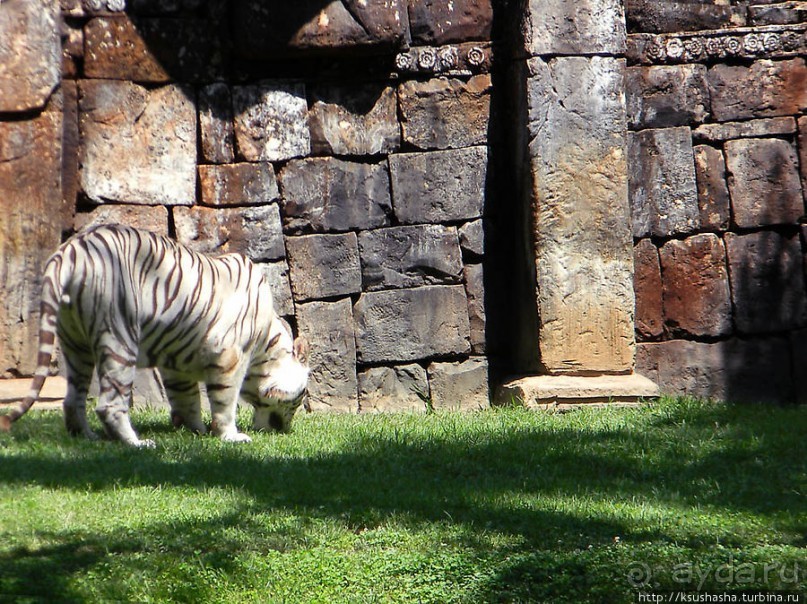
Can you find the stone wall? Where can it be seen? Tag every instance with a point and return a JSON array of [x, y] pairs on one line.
[[342, 145], [717, 149]]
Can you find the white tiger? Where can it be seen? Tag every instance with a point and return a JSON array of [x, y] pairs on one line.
[[120, 298]]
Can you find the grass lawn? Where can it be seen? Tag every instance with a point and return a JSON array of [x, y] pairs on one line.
[[504, 505]]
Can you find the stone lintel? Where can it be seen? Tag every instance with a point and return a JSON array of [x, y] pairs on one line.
[[546, 392], [13, 391]]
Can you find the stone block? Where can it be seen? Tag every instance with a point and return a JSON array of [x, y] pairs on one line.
[[647, 289], [767, 282], [271, 121], [438, 23], [263, 31], [445, 113], [30, 54], [238, 184], [253, 231], [764, 182], [574, 27], [440, 186], [763, 89], [677, 16], [277, 274], [460, 385], [410, 256], [475, 290], [31, 225], [329, 194], [697, 300], [398, 388], [737, 371], [798, 346], [324, 266], [410, 324], [72, 48], [137, 145], [566, 392], [354, 120], [663, 96], [149, 218], [216, 123], [472, 237], [152, 50], [328, 326], [713, 192], [581, 237], [769, 126], [663, 188]]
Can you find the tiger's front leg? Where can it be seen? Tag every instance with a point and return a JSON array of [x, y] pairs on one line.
[[223, 391]]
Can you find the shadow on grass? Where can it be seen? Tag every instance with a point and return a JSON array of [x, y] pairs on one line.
[[555, 484]]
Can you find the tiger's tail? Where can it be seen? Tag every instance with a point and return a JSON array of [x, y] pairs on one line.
[[48, 313]]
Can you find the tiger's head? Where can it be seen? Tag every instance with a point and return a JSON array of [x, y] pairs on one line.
[[284, 384]]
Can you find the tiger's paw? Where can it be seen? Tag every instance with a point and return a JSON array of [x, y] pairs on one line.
[[238, 437], [145, 443]]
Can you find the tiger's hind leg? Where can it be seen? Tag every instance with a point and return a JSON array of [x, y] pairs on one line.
[[79, 368], [186, 404], [116, 373]]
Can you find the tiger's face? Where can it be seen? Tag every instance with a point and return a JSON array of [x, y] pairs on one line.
[[285, 388]]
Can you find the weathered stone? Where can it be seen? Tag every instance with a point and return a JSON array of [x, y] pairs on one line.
[[263, 32], [277, 274], [238, 184], [31, 225], [777, 14], [460, 386], [149, 218], [445, 113], [662, 96], [439, 23], [398, 388], [764, 182], [30, 53], [253, 231], [329, 194], [750, 371], [582, 240], [324, 266], [647, 289], [271, 121], [802, 139], [697, 299], [798, 346], [475, 289], [216, 123], [663, 189], [472, 237], [410, 256], [72, 48], [767, 282], [138, 145], [713, 193], [410, 324], [572, 27], [151, 50], [677, 16], [328, 327], [763, 89], [771, 126], [440, 186], [354, 121], [566, 392], [71, 142]]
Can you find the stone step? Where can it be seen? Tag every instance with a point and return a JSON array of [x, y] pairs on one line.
[[54, 390]]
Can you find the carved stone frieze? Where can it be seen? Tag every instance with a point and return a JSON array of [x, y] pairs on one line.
[[772, 41], [457, 59]]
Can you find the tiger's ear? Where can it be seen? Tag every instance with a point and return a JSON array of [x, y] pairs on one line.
[[300, 349]]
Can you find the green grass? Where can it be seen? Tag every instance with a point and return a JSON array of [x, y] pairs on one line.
[[504, 505]]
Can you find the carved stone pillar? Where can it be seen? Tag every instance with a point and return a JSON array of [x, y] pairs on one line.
[[577, 183]]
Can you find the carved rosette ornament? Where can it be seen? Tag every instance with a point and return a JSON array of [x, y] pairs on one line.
[[775, 41], [460, 59]]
